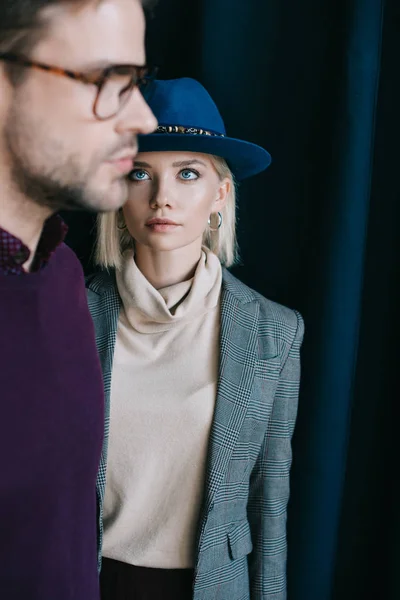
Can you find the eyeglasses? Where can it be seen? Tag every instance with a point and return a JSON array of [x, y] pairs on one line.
[[115, 84]]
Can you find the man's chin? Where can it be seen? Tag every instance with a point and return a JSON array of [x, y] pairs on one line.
[[108, 200]]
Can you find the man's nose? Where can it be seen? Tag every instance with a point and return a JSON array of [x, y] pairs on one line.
[[137, 116]]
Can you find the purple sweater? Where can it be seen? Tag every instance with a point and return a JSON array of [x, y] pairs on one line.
[[51, 409]]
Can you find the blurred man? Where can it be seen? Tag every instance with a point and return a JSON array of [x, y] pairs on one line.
[[70, 110]]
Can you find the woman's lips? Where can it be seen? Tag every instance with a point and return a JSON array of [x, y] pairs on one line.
[[161, 225]]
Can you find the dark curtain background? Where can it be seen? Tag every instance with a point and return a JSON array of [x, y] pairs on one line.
[[317, 83]]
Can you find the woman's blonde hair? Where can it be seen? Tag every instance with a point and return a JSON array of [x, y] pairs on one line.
[[113, 238]]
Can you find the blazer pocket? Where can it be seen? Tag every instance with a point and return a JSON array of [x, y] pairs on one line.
[[222, 547], [239, 540]]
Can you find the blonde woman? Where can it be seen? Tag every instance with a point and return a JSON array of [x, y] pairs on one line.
[[201, 375]]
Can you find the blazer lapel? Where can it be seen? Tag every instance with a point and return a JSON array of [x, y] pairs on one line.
[[104, 308], [238, 355]]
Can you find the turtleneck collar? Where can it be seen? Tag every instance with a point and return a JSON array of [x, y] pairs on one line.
[[151, 311]]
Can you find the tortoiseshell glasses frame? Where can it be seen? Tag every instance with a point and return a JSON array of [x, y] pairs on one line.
[[114, 84]]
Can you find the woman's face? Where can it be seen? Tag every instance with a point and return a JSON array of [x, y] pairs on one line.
[[171, 197]]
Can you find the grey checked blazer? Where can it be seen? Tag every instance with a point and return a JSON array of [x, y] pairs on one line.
[[241, 543]]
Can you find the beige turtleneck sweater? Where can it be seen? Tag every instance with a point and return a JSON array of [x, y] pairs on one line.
[[163, 394]]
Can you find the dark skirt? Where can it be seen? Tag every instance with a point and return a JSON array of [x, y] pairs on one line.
[[120, 581]]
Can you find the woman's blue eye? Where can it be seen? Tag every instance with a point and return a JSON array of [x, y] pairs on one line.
[[189, 174], [138, 175]]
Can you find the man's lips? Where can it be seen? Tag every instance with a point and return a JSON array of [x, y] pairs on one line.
[[123, 163]]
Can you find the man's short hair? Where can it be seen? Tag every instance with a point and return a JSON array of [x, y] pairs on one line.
[[21, 22]]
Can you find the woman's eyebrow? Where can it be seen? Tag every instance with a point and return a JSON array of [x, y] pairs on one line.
[[188, 163], [138, 163], [181, 163]]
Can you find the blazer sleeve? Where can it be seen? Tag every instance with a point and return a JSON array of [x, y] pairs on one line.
[[269, 483]]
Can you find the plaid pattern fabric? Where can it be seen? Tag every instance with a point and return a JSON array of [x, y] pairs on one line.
[[14, 253], [241, 544]]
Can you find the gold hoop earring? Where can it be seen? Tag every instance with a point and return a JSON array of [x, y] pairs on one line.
[[218, 224]]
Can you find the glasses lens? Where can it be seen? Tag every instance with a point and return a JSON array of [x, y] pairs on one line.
[[115, 91], [147, 86]]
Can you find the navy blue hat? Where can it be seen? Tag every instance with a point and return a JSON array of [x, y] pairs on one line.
[[189, 121]]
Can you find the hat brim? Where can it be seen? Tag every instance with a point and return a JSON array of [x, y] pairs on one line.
[[244, 158]]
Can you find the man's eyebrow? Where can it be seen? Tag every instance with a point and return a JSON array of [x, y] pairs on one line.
[[100, 65], [97, 65]]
